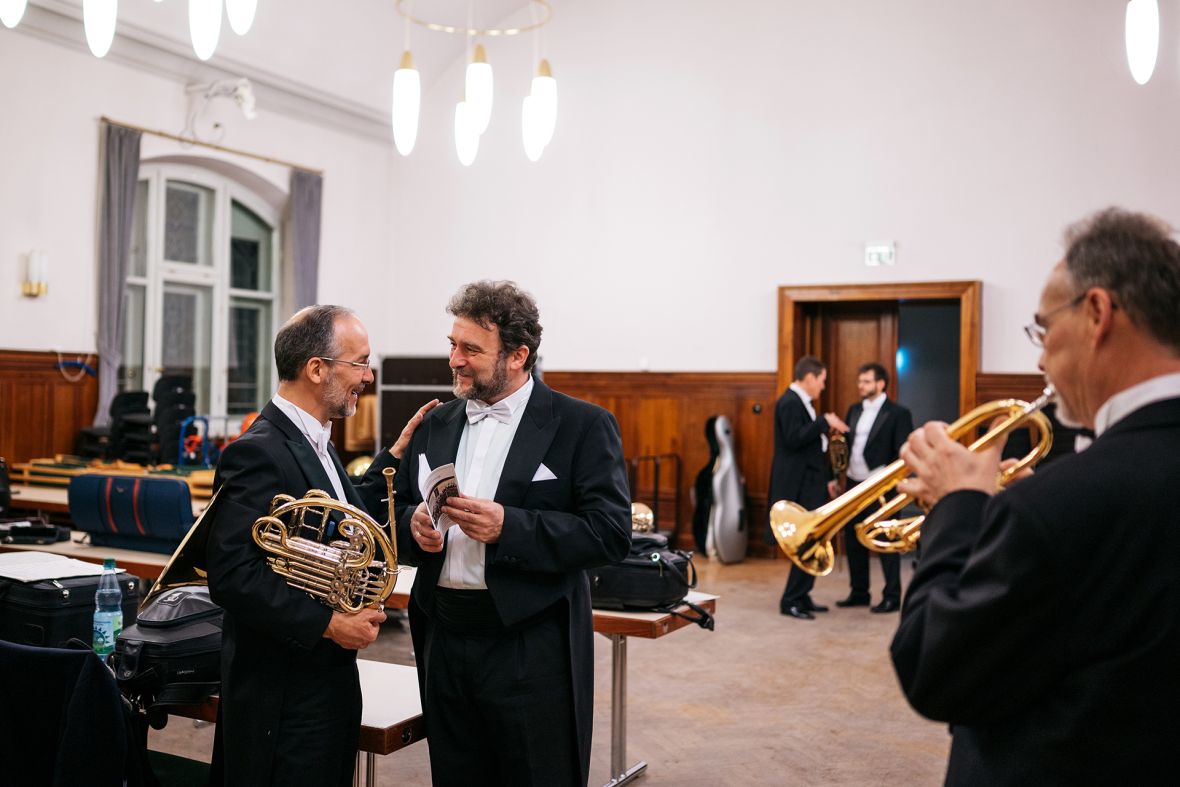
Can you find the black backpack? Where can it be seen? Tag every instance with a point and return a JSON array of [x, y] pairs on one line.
[[651, 577], [172, 655]]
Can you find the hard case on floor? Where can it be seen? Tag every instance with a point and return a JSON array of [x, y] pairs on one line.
[[51, 612]]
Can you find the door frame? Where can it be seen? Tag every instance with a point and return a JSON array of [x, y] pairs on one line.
[[795, 330]]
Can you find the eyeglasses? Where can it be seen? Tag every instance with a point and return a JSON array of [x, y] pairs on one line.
[[1036, 330], [355, 364]]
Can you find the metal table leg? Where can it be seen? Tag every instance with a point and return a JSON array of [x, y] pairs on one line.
[[620, 773], [370, 770]]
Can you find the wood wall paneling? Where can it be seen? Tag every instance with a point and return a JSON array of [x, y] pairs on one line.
[[665, 412], [40, 410]]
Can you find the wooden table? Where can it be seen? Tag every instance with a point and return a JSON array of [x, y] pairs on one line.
[[618, 626], [391, 714]]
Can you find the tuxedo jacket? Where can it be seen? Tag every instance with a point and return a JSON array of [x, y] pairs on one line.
[[1044, 623], [554, 527], [273, 653], [888, 433], [799, 469]]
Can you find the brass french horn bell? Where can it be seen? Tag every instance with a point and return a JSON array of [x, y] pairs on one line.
[[806, 536]]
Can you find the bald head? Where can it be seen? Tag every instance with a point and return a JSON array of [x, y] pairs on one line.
[[310, 333]]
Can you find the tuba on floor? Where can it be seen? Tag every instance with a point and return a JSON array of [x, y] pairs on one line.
[[346, 562], [806, 536]]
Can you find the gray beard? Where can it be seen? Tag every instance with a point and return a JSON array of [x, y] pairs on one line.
[[483, 390]]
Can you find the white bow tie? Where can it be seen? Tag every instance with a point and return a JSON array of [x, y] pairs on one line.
[[321, 438], [477, 411]]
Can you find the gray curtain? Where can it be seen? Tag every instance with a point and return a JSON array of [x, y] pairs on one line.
[[120, 175], [307, 190]]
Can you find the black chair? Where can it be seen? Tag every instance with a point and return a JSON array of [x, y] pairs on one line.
[[106, 442], [156, 437]]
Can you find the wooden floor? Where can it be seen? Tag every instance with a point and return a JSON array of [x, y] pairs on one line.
[[763, 700]]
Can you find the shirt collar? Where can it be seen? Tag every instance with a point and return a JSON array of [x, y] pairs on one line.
[[1128, 400], [802, 394], [873, 404], [517, 398], [318, 434]]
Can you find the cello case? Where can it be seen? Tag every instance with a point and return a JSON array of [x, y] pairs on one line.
[[719, 522]]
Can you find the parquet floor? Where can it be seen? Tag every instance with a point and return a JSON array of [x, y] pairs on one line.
[[763, 700]]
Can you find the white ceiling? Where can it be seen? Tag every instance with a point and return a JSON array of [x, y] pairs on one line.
[[347, 48]]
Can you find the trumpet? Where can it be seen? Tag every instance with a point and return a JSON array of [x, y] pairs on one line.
[[806, 536]]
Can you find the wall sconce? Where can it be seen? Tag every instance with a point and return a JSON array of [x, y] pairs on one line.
[[36, 281]]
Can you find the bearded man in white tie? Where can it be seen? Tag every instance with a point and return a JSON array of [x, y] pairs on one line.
[[290, 703], [501, 603]]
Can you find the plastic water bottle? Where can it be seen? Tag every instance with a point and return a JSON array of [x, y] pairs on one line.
[[108, 610]]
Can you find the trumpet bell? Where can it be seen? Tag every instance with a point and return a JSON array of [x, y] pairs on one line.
[[794, 527]]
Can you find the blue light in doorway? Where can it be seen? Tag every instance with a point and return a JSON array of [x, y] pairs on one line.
[[902, 360]]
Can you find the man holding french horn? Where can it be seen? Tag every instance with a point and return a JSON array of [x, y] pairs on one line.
[[1043, 622], [290, 703]]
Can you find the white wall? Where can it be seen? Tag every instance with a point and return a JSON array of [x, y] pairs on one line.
[[52, 98], [707, 153]]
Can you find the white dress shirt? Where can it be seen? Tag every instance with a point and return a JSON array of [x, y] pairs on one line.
[[483, 448], [1127, 401], [858, 469], [810, 411], [318, 435]]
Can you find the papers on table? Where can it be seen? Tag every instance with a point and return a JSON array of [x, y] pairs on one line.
[[36, 566]]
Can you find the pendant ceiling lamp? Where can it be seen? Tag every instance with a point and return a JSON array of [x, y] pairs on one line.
[[473, 112], [11, 12], [98, 19], [1143, 38]]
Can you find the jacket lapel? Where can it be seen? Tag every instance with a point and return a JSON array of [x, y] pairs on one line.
[[442, 444], [534, 435], [882, 416], [350, 495], [305, 455]]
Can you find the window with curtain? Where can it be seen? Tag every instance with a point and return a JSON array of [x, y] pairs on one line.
[[202, 289]]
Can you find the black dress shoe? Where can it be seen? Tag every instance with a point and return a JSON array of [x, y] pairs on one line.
[[811, 606], [887, 605], [853, 600], [796, 611]]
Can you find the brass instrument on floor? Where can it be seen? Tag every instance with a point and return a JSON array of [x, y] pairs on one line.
[[839, 454], [355, 569], [806, 536]]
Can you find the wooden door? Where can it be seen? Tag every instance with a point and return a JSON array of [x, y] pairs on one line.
[[847, 336]]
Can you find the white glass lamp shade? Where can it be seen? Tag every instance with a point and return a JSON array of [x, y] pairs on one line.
[[531, 128], [204, 26], [478, 89], [11, 12], [1143, 38], [241, 15], [98, 18], [407, 100], [544, 94], [466, 134]]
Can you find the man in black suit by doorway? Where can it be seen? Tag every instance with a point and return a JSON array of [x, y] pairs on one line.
[[502, 620], [877, 428], [800, 469], [1043, 621]]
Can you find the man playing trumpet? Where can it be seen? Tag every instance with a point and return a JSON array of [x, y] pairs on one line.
[[1043, 622]]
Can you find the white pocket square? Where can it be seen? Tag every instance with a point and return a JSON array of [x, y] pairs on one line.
[[544, 474]]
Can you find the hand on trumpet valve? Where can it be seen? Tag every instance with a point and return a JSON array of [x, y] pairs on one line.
[[941, 466]]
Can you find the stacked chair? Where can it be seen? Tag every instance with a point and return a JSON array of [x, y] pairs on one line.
[[107, 442], [155, 438]]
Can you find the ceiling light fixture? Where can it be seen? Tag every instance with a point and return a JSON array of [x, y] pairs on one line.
[[98, 19], [1143, 38], [473, 113], [11, 12]]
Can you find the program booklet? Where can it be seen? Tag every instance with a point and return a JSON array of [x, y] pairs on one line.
[[441, 485]]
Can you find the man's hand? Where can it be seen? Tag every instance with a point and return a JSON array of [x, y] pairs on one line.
[[835, 422], [482, 520], [942, 466], [355, 631], [429, 539], [835, 489], [398, 449]]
